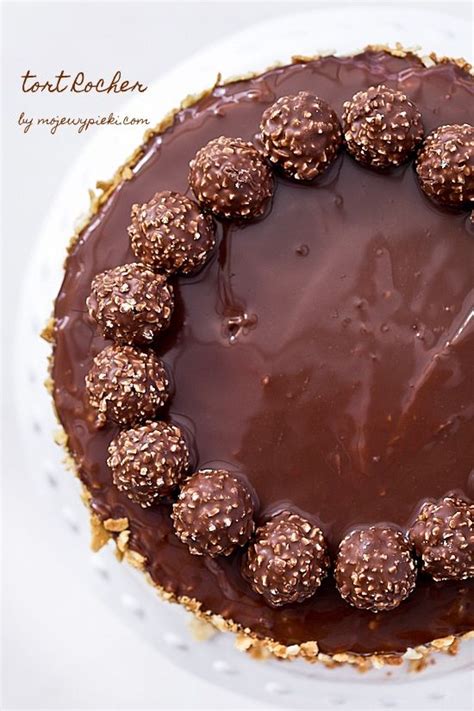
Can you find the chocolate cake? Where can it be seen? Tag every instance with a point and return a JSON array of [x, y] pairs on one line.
[[263, 356]]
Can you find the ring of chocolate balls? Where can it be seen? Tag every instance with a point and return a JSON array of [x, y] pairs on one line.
[[286, 558]]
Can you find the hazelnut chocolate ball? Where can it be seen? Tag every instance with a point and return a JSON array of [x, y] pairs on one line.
[[126, 385], [214, 513], [443, 536], [382, 127], [230, 178], [171, 234], [130, 303], [445, 165], [149, 461], [375, 569], [286, 560], [301, 134]]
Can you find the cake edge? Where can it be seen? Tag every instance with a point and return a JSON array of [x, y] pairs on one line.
[[417, 658]]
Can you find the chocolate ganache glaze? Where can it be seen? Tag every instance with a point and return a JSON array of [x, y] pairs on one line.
[[325, 352]]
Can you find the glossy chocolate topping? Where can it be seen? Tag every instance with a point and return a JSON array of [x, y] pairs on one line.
[[325, 352]]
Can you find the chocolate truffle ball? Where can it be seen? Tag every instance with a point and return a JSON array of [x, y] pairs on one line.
[[301, 134], [214, 513], [287, 559], [382, 127], [443, 536], [230, 178], [130, 303], [375, 569], [171, 234], [126, 385], [149, 461], [445, 165]]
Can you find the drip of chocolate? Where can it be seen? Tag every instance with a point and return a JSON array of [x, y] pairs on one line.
[[346, 393], [232, 309]]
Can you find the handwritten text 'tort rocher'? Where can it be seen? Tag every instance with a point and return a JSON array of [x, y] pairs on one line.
[[79, 84]]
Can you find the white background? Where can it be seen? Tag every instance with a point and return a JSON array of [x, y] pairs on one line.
[[61, 646]]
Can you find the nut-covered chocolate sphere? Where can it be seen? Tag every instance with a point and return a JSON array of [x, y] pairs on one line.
[[445, 165], [286, 560], [130, 303], [230, 178], [126, 385], [375, 569], [382, 127], [170, 233], [301, 134], [149, 461], [443, 536], [214, 513]]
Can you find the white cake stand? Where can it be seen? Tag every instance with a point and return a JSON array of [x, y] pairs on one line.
[[294, 684]]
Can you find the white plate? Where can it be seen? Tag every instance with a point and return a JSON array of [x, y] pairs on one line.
[[289, 684]]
